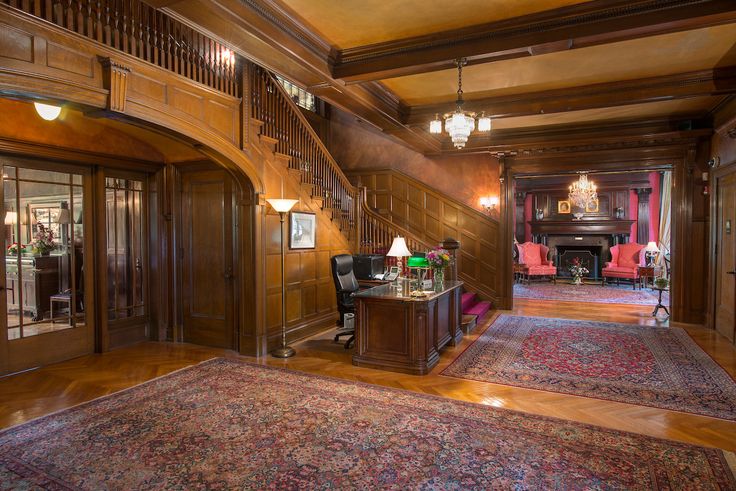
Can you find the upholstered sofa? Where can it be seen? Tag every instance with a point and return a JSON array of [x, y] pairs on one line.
[[625, 262], [533, 262]]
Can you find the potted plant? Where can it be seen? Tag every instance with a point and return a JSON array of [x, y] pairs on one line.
[[43, 242], [577, 270], [661, 282], [438, 259]]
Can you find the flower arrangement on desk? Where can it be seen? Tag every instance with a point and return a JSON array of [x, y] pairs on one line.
[[438, 259], [577, 270], [43, 242]]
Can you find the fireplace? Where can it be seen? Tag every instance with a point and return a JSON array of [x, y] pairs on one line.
[[590, 257]]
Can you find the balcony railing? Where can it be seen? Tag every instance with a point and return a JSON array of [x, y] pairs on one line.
[[138, 29]]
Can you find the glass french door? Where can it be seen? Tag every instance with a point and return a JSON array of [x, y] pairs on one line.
[[46, 315], [126, 306]]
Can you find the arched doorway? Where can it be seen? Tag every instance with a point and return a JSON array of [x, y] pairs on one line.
[[110, 194]]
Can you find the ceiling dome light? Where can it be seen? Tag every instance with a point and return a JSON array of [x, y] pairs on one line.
[[459, 124], [47, 111]]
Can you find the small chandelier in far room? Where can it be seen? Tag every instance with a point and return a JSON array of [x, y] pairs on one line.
[[459, 124], [582, 192]]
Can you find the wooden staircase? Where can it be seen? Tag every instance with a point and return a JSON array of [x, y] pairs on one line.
[[287, 132]]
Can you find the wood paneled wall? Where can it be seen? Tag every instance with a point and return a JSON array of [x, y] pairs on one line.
[[310, 291], [432, 216]]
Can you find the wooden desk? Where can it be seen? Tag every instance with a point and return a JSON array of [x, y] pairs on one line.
[[405, 334]]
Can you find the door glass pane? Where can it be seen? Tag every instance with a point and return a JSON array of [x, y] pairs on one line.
[[124, 215], [44, 259]]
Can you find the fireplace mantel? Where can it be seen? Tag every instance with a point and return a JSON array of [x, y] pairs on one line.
[[580, 227]]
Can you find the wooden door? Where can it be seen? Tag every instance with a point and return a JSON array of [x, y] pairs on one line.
[[725, 296], [206, 258]]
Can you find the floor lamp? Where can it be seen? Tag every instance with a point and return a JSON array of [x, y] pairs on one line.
[[282, 206]]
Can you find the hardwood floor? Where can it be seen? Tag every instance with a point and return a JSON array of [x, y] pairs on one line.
[[28, 395]]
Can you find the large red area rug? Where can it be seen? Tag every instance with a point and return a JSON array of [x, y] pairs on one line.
[[589, 293], [231, 425], [651, 366]]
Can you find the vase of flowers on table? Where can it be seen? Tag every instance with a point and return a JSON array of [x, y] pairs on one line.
[[577, 270], [438, 259], [14, 249], [43, 242]]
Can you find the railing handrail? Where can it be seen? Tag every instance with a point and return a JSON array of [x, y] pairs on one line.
[[140, 30], [317, 140]]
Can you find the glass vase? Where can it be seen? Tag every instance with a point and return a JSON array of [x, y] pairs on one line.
[[439, 280]]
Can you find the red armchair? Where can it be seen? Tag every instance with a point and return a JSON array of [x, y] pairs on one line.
[[533, 261], [625, 262]]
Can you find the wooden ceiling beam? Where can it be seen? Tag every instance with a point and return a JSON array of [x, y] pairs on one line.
[[719, 81], [587, 24]]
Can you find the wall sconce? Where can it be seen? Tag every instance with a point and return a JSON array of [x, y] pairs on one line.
[[489, 203]]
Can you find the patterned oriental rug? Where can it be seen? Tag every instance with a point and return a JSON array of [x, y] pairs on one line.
[[589, 293], [232, 425], [651, 366]]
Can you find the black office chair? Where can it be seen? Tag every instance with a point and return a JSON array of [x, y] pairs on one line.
[[345, 285]]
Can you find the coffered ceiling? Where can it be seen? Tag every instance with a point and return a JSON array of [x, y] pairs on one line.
[[532, 64], [352, 23], [626, 60]]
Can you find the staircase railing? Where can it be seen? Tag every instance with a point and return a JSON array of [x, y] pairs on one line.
[[283, 121], [141, 30], [377, 232]]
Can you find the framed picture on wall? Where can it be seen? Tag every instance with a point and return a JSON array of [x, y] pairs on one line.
[[302, 230], [592, 207], [563, 207]]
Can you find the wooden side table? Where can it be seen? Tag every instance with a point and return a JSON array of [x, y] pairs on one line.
[[519, 270], [646, 273], [659, 301]]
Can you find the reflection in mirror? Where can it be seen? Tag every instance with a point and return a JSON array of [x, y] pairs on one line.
[[44, 259]]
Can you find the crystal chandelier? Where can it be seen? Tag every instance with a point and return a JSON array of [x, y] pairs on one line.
[[459, 124], [582, 192]]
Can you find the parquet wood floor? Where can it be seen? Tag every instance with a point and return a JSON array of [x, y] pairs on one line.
[[45, 390]]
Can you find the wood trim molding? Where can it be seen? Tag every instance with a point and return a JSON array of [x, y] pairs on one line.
[[50, 152], [588, 24]]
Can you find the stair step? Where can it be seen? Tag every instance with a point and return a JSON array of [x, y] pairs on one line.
[[268, 141], [283, 158], [295, 173], [468, 323], [468, 300], [479, 309]]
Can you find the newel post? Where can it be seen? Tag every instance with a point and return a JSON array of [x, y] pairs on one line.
[[451, 245]]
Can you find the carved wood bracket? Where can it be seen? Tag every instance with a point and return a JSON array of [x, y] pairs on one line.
[[115, 79]]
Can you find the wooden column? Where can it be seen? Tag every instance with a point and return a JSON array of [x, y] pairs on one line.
[[520, 219], [642, 227], [451, 245]]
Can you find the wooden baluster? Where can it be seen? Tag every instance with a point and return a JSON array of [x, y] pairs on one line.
[[58, 15], [48, 10], [79, 21], [116, 24], [25, 6], [89, 23], [69, 15], [176, 46], [133, 28], [124, 14], [107, 24], [37, 7], [146, 24], [168, 39]]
